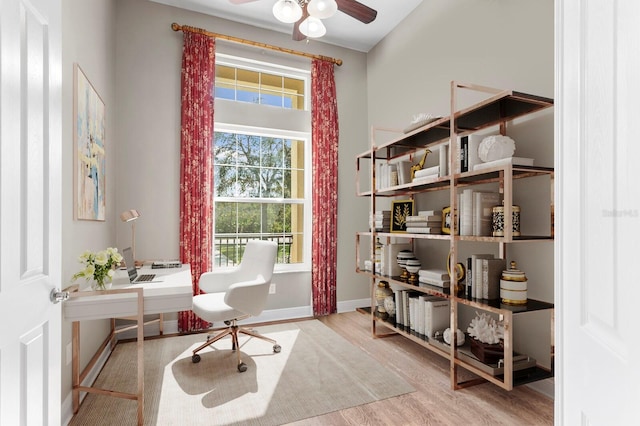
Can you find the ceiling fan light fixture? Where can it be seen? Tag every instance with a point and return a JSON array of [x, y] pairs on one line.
[[287, 11], [322, 9], [312, 27]]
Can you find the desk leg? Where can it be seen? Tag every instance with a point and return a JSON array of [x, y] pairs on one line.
[[75, 365], [140, 343]]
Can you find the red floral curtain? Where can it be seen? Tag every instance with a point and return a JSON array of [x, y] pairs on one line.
[[196, 168], [324, 131]]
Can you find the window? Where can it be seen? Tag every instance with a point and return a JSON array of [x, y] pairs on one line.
[[261, 175]]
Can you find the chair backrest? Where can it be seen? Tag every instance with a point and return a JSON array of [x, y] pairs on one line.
[[257, 265]]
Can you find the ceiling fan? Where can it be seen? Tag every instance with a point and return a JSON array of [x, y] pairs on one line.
[[306, 16]]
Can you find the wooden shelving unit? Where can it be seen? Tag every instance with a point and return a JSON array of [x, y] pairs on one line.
[[499, 108]]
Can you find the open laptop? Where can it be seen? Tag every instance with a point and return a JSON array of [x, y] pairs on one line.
[[127, 254]]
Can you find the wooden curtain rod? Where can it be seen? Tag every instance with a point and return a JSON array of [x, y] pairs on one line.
[[177, 27]]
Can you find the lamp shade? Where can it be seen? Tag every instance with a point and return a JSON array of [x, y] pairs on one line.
[[287, 11], [322, 9], [129, 215], [312, 27]]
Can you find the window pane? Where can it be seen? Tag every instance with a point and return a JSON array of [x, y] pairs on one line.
[[272, 152], [226, 217], [251, 78], [244, 95], [248, 150], [249, 218], [294, 85], [272, 82], [224, 179], [248, 184], [269, 97], [272, 183], [224, 149]]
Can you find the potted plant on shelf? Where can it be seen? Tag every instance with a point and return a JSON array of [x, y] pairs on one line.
[[487, 335], [98, 267]]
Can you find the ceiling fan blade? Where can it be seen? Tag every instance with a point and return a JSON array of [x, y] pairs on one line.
[[357, 10], [297, 34]]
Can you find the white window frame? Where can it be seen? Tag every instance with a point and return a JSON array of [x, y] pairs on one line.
[[228, 60]]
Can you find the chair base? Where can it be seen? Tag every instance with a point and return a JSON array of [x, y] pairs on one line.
[[233, 330]]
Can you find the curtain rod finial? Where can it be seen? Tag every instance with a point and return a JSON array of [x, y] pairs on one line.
[[175, 27]]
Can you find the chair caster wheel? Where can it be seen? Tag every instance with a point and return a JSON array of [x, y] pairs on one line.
[[242, 367], [195, 358], [209, 337], [277, 348]]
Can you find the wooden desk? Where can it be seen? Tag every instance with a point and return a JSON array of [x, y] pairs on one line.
[[174, 293]]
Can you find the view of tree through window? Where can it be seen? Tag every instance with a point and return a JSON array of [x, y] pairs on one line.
[[259, 174], [259, 193]]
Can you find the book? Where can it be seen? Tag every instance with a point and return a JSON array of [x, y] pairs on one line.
[[426, 179], [436, 315], [424, 230], [516, 161], [437, 213], [438, 283], [464, 154], [160, 264], [397, 296], [404, 172], [443, 159], [468, 276], [434, 170], [466, 212], [476, 283], [389, 262], [491, 273], [482, 212], [438, 274], [472, 156], [425, 217]]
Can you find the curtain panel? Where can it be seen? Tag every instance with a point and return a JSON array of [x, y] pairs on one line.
[[324, 133], [196, 168]]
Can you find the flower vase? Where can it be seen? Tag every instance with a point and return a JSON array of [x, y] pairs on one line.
[[100, 286]]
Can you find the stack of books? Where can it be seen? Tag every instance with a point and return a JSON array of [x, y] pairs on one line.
[[483, 275], [420, 314], [427, 175], [437, 277], [426, 222], [381, 220], [475, 211]]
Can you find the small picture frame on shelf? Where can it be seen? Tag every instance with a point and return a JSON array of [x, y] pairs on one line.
[[399, 212], [447, 221]]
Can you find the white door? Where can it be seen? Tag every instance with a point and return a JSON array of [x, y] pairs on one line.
[[598, 212], [30, 202]]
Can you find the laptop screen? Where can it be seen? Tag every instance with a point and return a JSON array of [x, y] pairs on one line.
[[127, 254]]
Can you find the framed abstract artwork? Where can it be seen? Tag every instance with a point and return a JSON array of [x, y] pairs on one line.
[[89, 149]]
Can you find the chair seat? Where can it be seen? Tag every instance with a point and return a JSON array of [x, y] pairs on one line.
[[212, 308]]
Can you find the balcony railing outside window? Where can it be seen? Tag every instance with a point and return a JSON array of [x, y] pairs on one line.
[[228, 249]]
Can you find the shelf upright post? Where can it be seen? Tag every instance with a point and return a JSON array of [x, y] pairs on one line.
[[453, 278]]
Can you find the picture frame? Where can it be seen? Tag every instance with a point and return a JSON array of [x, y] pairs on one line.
[[399, 211], [447, 221], [89, 181]]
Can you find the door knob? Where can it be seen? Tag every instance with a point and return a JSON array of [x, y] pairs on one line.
[[57, 296]]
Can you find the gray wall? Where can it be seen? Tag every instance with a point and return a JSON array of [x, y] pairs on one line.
[[88, 39]]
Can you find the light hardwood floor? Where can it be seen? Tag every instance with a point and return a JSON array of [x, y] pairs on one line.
[[433, 402]]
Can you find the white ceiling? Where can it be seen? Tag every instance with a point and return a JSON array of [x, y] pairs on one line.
[[342, 30]]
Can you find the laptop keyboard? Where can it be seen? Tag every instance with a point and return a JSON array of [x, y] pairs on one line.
[[146, 277]]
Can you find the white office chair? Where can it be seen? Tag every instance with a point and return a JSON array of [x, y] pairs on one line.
[[236, 294]]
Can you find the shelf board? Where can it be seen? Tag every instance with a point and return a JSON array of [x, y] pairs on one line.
[[506, 106], [531, 305]]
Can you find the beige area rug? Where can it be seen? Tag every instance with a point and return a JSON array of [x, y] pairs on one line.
[[317, 372]]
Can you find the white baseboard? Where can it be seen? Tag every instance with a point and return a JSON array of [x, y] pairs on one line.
[[545, 387]]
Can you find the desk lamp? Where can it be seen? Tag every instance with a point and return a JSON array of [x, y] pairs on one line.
[[131, 216]]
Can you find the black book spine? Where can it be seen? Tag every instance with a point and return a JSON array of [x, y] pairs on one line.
[[469, 278], [464, 154]]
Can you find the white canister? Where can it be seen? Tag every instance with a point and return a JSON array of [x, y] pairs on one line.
[[513, 286]]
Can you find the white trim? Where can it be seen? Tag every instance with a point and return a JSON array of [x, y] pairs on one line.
[[545, 387]]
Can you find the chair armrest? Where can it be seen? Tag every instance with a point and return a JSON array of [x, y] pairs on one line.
[[218, 281], [249, 297]]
